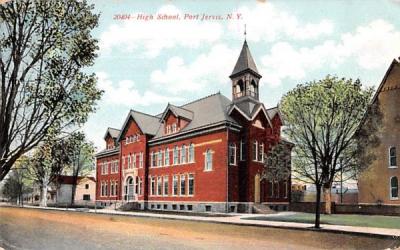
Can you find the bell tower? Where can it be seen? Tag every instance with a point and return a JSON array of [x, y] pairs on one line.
[[245, 77]]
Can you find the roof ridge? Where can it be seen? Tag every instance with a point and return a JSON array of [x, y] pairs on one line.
[[180, 107], [153, 116], [113, 128], [204, 97]]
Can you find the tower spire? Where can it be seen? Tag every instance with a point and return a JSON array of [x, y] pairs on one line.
[[245, 32]]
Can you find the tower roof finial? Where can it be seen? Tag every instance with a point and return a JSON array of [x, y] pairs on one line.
[[245, 32]]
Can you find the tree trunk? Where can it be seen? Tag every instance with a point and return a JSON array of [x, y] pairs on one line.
[[318, 207], [43, 196], [73, 193], [327, 199]]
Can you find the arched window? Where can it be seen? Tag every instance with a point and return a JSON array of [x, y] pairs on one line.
[[253, 88], [394, 188], [183, 154], [191, 153], [130, 188], [392, 157], [208, 160]]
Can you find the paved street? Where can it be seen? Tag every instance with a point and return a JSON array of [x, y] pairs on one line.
[[39, 229]]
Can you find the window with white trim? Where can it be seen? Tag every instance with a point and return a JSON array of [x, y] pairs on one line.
[[191, 184], [141, 160], [261, 152], [129, 161], [176, 155], [232, 153], [140, 186], [134, 160], [166, 157], [208, 161], [394, 188], [392, 157], [159, 158], [183, 154], [191, 153], [159, 185], [183, 185], [175, 185], [153, 159], [165, 183], [152, 185], [174, 129], [255, 148]]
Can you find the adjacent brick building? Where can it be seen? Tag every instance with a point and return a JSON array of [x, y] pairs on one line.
[[206, 155], [379, 183]]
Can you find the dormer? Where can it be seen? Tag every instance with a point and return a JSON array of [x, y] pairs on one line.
[[111, 138], [174, 119]]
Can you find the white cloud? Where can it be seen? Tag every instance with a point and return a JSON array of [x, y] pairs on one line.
[[155, 35], [213, 67], [372, 46], [125, 93], [266, 23]]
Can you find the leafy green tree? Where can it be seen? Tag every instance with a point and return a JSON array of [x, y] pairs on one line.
[[44, 48], [17, 183], [323, 120], [277, 163], [81, 154], [48, 162]]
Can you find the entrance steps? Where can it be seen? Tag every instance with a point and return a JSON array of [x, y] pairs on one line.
[[262, 209]]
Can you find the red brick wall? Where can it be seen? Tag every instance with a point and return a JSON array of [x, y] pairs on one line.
[[134, 148], [209, 186], [109, 177]]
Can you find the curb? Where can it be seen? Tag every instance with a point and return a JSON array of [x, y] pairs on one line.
[[246, 224]]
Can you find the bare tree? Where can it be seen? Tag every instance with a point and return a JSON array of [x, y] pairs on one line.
[[44, 47]]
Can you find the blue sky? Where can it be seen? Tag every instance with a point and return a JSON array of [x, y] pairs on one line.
[[143, 65]]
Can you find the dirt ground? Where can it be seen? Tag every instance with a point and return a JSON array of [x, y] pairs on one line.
[[39, 229]]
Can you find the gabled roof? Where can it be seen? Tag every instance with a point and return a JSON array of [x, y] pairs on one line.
[[178, 112], [148, 124], [250, 114], [113, 132], [393, 64], [206, 111], [245, 61]]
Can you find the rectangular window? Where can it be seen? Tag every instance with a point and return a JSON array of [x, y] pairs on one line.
[[166, 157], [191, 153], [175, 185], [242, 151], [140, 186], [86, 197], [183, 154], [141, 160], [165, 185], [116, 166], [232, 154], [176, 156], [392, 157], [129, 161], [153, 159], [271, 189], [159, 185], [191, 184], [153, 186], [261, 152], [183, 185], [159, 159], [255, 147], [134, 160], [208, 160]]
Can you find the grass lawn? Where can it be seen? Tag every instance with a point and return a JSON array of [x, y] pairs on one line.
[[339, 219]]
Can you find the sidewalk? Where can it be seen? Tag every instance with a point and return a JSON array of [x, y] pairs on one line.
[[240, 219]]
